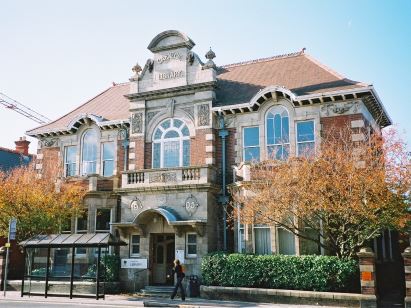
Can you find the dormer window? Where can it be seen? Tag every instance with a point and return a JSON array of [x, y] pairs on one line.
[[89, 152], [171, 144]]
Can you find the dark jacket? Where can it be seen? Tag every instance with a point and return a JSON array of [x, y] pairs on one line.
[[179, 271]]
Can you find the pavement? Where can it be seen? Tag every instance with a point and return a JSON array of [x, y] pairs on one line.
[[13, 299]]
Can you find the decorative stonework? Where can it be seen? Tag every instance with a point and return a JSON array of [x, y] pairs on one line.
[[203, 115], [339, 109], [137, 123], [48, 143], [189, 111], [136, 206], [190, 57], [191, 204], [150, 65], [151, 115], [170, 107], [162, 177]]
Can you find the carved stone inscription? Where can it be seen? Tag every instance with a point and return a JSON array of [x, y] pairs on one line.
[[162, 177], [191, 204], [203, 115]]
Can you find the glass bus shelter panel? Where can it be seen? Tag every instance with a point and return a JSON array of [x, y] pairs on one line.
[[59, 271], [35, 274], [85, 265]]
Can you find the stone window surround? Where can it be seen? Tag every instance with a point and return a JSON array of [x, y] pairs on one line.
[[294, 117], [101, 138]]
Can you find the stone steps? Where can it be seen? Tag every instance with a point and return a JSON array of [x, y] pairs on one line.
[[156, 291]]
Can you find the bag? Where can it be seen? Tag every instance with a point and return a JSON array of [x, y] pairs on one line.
[[183, 275]]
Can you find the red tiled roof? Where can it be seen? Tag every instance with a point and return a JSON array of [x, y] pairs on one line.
[[109, 104], [298, 72]]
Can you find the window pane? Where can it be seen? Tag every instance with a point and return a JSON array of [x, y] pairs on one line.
[[277, 129], [135, 239], [165, 124], [171, 154], [172, 134], [103, 217], [177, 123], [185, 131], [191, 238], [108, 150], [108, 167], [262, 241], [186, 153], [305, 131], [70, 160], [270, 131], [251, 136], [156, 155], [306, 149], [192, 249], [82, 222], [158, 133], [286, 241], [135, 250], [89, 156], [252, 154]]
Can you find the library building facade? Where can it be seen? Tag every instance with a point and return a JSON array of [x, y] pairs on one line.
[[157, 153]]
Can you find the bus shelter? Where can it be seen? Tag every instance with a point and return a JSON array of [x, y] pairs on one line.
[[66, 264]]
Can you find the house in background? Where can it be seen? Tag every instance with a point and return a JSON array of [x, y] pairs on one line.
[[157, 152], [20, 156]]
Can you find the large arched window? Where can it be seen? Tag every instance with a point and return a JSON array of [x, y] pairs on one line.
[[278, 133], [171, 144], [89, 152]]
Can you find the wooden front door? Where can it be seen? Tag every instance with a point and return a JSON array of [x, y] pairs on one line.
[[163, 257]]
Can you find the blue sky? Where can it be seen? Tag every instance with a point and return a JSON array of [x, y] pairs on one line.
[[55, 55]]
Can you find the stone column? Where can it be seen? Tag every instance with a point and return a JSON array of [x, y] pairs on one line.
[[407, 269], [368, 278]]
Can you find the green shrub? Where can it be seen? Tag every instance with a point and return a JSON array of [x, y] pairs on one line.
[[315, 273]]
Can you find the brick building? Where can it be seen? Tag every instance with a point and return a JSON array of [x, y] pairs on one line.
[[151, 150]]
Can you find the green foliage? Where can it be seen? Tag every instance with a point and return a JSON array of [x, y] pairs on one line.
[[315, 273], [110, 265]]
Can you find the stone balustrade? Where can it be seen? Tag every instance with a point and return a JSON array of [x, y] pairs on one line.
[[168, 176]]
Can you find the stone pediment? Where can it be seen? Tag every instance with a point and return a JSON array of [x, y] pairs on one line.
[[170, 39]]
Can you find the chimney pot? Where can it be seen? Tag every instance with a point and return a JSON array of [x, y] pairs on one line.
[[22, 146]]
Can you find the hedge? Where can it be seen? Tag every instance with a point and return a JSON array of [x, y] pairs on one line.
[[312, 273]]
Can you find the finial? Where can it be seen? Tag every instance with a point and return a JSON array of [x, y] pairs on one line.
[[136, 69], [303, 50], [210, 55]]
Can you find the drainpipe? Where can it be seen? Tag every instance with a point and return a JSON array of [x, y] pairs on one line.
[[123, 135], [223, 133]]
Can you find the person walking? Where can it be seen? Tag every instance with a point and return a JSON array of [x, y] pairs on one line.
[[178, 270]]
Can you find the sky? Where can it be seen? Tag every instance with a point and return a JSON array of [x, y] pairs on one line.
[[55, 55]]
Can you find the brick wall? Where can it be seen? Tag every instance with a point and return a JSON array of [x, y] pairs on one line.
[[198, 145], [51, 162], [147, 155], [330, 124]]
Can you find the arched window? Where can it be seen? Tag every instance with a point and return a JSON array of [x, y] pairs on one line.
[[171, 144], [278, 133], [89, 152]]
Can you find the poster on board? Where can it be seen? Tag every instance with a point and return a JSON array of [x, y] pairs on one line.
[[180, 255]]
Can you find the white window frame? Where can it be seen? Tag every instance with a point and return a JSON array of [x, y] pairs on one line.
[[274, 110], [134, 255], [95, 220], [162, 140], [72, 163], [241, 236], [187, 244], [301, 142], [253, 146], [103, 160]]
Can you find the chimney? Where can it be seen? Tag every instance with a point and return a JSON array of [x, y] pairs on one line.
[[22, 146]]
